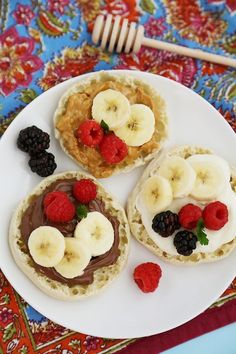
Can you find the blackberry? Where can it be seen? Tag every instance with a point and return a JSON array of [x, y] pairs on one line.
[[165, 223], [43, 163], [185, 242], [33, 140]]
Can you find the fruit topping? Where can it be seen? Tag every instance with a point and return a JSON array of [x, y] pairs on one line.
[[58, 208], [189, 216], [84, 190], [212, 174], [75, 260], [43, 163], [165, 223], [185, 242], [33, 140], [147, 276], [215, 215], [90, 133], [97, 232], [46, 245], [51, 196], [156, 194], [139, 127], [113, 149], [180, 174], [112, 107]]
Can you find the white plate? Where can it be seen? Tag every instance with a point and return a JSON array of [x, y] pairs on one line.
[[121, 311]]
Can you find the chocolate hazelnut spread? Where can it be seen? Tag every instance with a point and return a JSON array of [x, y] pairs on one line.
[[34, 217]]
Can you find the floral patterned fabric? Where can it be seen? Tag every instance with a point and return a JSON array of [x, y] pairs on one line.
[[45, 42]]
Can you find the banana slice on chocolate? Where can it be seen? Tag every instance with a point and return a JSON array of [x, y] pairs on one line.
[[47, 246], [97, 232], [76, 258]]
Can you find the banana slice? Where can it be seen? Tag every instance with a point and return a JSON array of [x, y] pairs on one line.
[[139, 127], [75, 260], [156, 193], [97, 231], [46, 245], [112, 107], [212, 176], [180, 174]]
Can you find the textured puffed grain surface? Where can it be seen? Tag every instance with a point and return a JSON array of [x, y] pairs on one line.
[[138, 230], [102, 276], [75, 106]]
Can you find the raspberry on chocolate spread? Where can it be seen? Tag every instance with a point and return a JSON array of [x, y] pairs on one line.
[[34, 217]]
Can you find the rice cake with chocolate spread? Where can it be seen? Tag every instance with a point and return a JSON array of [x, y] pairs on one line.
[[100, 271]]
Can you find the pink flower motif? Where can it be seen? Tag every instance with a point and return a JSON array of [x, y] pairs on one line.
[[73, 62], [91, 343], [154, 27], [175, 67], [6, 315], [17, 63], [58, 5], [23, 14]]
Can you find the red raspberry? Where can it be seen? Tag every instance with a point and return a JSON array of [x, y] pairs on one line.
[[189, 216], [85, 190], [215, 215], [90, 133], [58, 207], [51, 196], [113, 149], [147, 276]]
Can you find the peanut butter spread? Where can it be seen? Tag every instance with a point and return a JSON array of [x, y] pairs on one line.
[[78, 108]]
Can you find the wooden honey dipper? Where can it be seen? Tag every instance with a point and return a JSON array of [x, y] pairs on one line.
[[110, 33]]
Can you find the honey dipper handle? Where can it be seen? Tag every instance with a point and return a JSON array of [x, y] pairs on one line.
[[189, 52]]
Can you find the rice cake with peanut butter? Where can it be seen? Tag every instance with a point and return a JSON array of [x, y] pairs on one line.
[[80, 103]]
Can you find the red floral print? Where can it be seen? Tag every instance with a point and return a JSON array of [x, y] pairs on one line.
[[124, 8], [230, 4], [175, 67], [58, 5], [17, 63], [193, 23], [23, 14], [154, 27], [6, 316], [91, 343], [72, 63]]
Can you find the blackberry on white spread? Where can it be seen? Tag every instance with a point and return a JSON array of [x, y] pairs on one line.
[[165, 223], [185, 242]]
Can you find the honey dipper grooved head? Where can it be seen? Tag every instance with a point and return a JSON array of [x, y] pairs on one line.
[[117, 34]]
